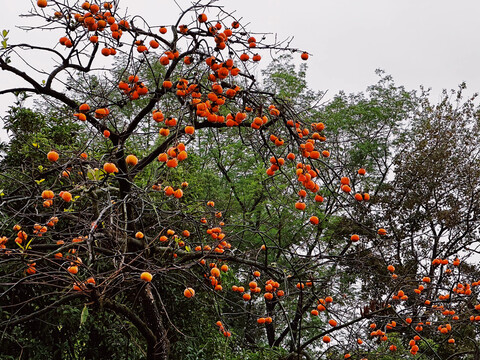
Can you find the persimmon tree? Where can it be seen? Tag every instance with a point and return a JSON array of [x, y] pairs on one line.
[[166, 196]]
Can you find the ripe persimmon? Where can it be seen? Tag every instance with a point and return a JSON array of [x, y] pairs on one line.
[[46, 194], [332, 322], [84, 108], [182, 156], [146, 276], [80, 116], [167, 84], [94, 8], [189, 293], [154, 44], [314, 154], [169, 190], [215, 272], [110, 168], [304, 56], [131, 160], [162, 157], [66, 196], [31, 269], [300, 205], [172, 163], [52, 156], [302, 193]]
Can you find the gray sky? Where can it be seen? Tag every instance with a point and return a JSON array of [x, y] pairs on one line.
[[429, 42]]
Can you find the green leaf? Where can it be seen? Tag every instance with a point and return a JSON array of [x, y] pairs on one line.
[[39, 181], [4, 44], [5, 33], [84, 315], [187, 249], [28, 245], [91, 174], [95, 174]]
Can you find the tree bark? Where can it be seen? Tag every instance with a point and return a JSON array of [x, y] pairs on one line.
[[154, 321]]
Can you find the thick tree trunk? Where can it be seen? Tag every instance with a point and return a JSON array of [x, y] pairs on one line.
[[157, 348], [154, 321]]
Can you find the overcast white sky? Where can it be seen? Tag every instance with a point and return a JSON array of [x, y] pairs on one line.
[[430, 42]]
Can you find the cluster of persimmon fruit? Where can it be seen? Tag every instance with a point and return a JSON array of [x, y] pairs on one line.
[[38, 231], [444, 327], [133, 88]]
